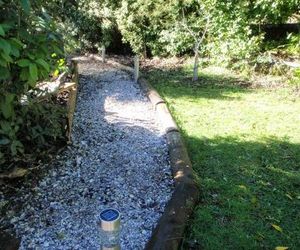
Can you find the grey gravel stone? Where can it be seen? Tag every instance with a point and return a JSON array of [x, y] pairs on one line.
[[118, 159]]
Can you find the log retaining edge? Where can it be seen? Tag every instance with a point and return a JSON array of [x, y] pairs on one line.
[[8, 242]]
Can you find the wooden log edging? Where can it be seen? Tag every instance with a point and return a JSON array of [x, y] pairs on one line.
[[9, 242], [169, 232]]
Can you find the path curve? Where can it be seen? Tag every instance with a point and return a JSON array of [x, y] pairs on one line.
[[119, 158]]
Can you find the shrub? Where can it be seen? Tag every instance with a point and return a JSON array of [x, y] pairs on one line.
[[30, 51]]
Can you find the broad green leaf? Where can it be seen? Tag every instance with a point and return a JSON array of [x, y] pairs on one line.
[[6, 57], [43, 63], [17, 42], [31, 56], [7, 106], [4, 141], [3, 63], [57, 50], [278, 228], [13, 148], [33, 72], [25, 5], [7, 110], [5, 126], [281, 248], [15, 51], [4, 73], [5, 46], [9, 97], [23, 63], [16, 45], [2, 32], [6, 26], [24, 75]]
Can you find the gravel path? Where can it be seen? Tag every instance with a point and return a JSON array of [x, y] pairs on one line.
[[118, 159]]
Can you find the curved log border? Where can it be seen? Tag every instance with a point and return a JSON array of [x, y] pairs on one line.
[[169, 231]]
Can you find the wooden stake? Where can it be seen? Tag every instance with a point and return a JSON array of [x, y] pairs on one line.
[[196, 62], [103, 54], [136, 68]]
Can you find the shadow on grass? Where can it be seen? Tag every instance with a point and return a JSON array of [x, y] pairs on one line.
[[246, 186], [211, 85], [248, 157], [249, 180]]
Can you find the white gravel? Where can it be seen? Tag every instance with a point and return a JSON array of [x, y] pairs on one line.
[[118, 159]]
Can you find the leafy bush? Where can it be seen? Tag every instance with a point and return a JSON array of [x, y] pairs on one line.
[[34, 129], [30, 50], [85, 25], [293, 44]]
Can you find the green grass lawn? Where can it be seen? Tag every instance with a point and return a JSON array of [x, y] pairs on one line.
[[244, 143]]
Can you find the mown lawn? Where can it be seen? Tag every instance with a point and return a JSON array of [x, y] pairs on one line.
[[244, 143]]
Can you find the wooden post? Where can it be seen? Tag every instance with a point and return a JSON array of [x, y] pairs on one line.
[[196, 62], [136, 68], [103, 53]]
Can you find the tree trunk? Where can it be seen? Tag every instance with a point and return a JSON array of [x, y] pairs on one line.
[[196, 63]]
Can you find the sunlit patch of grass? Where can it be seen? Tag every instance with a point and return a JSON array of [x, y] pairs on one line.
[[244, 143]]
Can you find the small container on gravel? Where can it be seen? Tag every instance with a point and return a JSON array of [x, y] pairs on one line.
[[110, 229]]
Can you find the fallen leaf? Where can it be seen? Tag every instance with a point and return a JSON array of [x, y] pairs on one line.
[[289, 196], [254, 200], [276, 227], [281, 248], [242, 187], [16, 173]]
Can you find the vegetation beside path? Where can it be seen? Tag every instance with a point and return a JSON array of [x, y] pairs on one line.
[[244, 142]]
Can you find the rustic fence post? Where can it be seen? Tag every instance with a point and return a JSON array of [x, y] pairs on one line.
[[103, 54], [136, 68]]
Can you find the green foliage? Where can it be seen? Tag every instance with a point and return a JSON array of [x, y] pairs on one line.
[[29, 52], [292, 45], [295, 79], [35, 128], [156, 26], [84, 24], [133, 18], [32, 35]]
